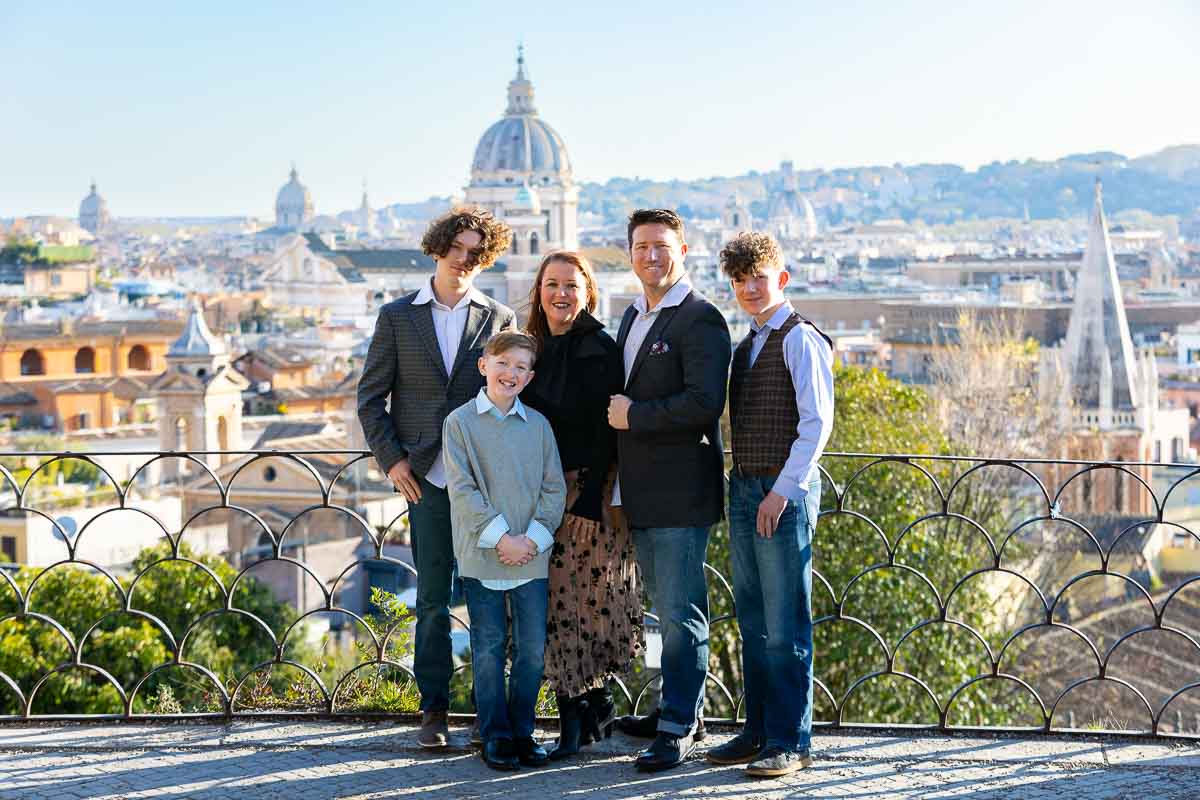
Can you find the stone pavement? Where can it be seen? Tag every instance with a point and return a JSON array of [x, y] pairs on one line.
[[288, 759]]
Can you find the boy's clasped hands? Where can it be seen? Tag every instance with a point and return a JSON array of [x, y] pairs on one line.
[[516, 551]]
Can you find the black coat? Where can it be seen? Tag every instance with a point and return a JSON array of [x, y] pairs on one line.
[[573, 379], [671, 459]]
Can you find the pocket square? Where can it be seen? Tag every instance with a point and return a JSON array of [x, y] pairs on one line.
[[659, 347]]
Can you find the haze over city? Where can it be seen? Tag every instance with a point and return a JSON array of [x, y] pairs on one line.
[[178, 111]]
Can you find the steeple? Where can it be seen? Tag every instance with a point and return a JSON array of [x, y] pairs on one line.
[[1099, 351], [520, 90]]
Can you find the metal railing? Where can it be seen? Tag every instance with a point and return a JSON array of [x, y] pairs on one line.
[[949, 593]]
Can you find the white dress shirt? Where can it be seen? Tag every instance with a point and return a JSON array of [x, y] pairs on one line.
[[809, 361], [490, 536], [637, 336], [449, 324]]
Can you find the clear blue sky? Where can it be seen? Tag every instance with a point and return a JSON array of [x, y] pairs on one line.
[[199, 108]]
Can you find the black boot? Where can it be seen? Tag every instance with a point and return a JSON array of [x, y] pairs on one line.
[[600, 716], [570, 723]]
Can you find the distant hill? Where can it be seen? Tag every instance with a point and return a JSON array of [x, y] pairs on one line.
[[1162, 183]]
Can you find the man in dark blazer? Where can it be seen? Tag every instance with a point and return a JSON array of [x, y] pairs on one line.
[[423, 358], [676, 351]]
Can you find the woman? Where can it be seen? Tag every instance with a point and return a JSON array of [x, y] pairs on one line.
[[594, 627]]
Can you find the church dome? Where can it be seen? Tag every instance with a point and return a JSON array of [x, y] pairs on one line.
[[93, 211], [293, 204], [521, 146]]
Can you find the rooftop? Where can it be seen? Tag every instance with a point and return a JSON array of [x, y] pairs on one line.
[[280, 758]]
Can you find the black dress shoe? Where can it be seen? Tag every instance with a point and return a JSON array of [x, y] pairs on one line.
[[667, 751], [500, 754], [530, 753], [647, 727]]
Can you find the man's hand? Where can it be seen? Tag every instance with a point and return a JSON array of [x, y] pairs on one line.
[[402, 477], [769, 512], [515, 551], [618, 411]]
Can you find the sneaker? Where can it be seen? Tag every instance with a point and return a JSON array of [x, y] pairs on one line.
[[775, 761], [741, 749], [434, 731]]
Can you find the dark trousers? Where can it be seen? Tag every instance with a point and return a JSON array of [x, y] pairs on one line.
[[433, 556], [671, 561], [772, 587]]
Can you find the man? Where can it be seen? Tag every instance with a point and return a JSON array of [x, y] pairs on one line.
[[781, 414], [676, 351], [424, 359]]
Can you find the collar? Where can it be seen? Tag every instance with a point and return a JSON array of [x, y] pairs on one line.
[[484, 404], [673, 297], [426, 295], [777, 319]]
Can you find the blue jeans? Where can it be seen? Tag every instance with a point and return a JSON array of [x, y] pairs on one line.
[[507, 712], [772, 587], [671, 561], [433, 556]]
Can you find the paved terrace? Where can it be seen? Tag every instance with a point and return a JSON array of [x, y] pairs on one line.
[[250, 760]]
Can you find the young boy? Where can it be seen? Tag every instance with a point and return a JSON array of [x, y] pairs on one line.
[[781, 414], [507, 495]]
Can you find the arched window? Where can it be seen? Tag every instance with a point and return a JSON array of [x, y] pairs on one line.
[[85, 361], [514, 245], [32, 363], [736, 220], [533, 244], [139, 358]]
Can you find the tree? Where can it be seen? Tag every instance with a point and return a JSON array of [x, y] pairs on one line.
[[129, 646], [871, 592]]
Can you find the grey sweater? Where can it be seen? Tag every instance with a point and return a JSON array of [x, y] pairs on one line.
[[500, 466]]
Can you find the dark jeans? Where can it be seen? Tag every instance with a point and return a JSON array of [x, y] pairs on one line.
[[507, 712], [671, 561], [433, 556], [772, 587]]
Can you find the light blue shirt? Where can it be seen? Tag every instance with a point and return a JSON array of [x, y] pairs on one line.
[[809, 361], [490, 536]]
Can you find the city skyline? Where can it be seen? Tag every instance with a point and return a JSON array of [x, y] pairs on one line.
[[207, 123]]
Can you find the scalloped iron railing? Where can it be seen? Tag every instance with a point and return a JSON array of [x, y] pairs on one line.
[[950, 593]]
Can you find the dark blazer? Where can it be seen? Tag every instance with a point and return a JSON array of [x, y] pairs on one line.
[[404, 364], [671, 459]]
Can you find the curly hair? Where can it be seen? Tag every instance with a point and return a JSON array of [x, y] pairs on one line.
[[654, 216], [749, 253], [497, 236]]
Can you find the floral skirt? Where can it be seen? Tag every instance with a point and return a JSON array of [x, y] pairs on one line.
[[594, 625]]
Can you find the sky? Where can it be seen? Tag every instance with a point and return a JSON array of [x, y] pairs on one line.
[[199, 109]]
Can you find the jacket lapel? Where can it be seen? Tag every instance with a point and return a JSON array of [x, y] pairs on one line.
[[653, 335], [422, 319], [477, 317], [626, 324]]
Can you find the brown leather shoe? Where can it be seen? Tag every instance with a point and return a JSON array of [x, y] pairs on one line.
[[433, 732]]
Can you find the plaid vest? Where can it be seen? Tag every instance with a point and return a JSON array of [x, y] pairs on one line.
[[762, 405]]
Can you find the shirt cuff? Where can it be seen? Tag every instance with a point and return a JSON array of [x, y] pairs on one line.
[[790, 489], [541, 537], [492, 533]]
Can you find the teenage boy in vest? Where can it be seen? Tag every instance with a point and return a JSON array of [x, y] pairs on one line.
[[507, 495], [781, 414], [422, 364]]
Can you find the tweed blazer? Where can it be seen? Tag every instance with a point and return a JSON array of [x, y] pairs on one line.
[[405, 366]]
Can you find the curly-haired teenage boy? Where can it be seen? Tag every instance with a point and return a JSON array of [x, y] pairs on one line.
[[423, 358]]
